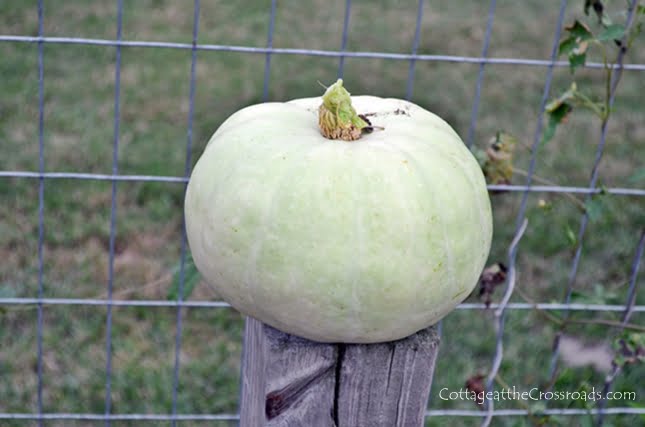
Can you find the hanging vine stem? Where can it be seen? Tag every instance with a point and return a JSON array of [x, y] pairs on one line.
[[499, 321]]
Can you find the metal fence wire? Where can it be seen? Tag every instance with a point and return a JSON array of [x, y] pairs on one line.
[[413, 57]]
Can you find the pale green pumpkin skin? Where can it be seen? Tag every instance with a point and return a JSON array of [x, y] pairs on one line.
[[335, 241]]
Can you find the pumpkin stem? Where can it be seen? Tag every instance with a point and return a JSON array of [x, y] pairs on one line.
[[336, 116]]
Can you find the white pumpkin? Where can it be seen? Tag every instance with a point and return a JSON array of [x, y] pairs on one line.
[[339, 241]]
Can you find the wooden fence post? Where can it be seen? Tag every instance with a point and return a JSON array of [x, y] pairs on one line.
[[288, 381]]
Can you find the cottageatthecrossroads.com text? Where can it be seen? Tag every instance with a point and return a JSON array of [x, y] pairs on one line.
[[534, 394]]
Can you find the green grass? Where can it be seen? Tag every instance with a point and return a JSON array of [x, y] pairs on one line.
[[78, 136]]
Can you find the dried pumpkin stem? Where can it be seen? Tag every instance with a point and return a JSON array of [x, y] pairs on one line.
[[336, 116]]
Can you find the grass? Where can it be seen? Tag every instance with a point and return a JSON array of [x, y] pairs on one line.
[[78, 137]]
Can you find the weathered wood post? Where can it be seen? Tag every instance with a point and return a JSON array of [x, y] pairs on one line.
[[291, 381]]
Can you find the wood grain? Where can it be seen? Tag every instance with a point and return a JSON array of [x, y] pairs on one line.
[[290, 381]]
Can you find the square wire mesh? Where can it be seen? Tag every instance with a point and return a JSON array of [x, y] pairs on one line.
[[413, 58]]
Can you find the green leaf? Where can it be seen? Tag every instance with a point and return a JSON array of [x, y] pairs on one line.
[[605, 20], [629, 348], [559, 109], [575, 45], [612, 32], [191, 278], [579, 31], [561, 112], [549, 131], [577, 60], [556, 116], [567, 45], [636, 340], [566, 96]]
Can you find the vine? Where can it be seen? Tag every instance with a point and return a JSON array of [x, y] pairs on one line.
[[606, 37]]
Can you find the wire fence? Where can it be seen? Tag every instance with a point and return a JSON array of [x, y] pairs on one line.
[[413, 57]]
